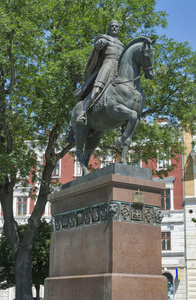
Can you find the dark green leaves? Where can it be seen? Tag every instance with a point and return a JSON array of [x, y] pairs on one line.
[[40, 257]]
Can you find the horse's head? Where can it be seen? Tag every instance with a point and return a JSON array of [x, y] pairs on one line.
[[139, 52], [147, 58]]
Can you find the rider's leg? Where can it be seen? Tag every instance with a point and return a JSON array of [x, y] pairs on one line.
[[95, 92], [87, 102]]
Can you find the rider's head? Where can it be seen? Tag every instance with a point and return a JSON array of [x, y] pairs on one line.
[[113, 28]]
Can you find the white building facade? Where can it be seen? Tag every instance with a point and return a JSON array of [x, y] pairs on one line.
[[173, 243], [190, 213]]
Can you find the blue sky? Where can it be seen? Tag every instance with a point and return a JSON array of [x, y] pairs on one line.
[[181, 20]]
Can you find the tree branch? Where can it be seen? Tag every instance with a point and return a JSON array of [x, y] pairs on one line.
[[12, 80], [66, 150], [8, 139], [10, 225], [156, 109], [54, 134]]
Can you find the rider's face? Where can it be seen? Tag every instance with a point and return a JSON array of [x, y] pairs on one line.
[[113, 29]]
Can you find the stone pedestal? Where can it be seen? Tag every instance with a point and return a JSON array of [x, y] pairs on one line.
[[106, 239]]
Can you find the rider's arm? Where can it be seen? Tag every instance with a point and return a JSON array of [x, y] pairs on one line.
[[100, 43]]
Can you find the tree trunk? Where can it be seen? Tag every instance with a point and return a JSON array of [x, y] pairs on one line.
[[22, 247], [23, 274], [37, 287]]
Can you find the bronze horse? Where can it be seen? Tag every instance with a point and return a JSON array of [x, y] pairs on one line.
[[120, 104]]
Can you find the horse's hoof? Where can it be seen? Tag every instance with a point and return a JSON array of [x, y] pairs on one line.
[[85, 172], [123, 162]]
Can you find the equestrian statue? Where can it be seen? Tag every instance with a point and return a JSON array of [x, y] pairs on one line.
[[112, 95]]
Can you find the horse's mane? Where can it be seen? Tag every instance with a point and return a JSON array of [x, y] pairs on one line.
[[132, 42]]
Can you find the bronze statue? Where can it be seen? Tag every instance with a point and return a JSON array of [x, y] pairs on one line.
[[119, 104], [102, 66]]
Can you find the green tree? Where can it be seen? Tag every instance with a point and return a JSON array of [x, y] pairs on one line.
[[40, 258], [44, 47]]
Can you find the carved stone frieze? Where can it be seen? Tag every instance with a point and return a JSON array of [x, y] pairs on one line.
[[96, 214], [104, 212], [149, 215], [158, 216], [125, 212], [58, 222], [136, 213], [113, 210], [80, 217], [72, 220], [87, 216], [65, 221]]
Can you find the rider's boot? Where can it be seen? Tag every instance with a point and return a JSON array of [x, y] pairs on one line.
[[82, 118]]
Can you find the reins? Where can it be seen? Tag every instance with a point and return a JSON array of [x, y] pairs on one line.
[[131, 80], [121, 82]]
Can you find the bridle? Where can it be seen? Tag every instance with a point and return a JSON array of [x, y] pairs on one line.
[[143, 63], [138, 77]]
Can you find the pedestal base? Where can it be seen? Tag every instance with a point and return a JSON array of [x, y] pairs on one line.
[[107, 287], [106, 240]]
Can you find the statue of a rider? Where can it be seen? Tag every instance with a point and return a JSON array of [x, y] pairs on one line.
[[101, 67]]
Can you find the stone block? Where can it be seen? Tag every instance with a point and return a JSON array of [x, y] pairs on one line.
[[106, 239]]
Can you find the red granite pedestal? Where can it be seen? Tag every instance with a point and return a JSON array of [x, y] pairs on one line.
[[106, 241]]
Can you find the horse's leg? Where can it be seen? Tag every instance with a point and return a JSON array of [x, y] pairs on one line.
[[127, 143], [131, 127], [80, 137], [125, 150], [122, 112], [91, 144]]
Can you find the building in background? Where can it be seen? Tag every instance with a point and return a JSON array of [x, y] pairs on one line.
[[190, 212], [173, 233]]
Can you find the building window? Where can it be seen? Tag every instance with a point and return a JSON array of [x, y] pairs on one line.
[[56, 171], [134, 163], [107, 160], [165, 199], [165, 241], [21, 206], [163, 161], [169, 285]]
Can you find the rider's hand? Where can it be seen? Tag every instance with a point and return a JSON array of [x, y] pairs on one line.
[[100, 44]]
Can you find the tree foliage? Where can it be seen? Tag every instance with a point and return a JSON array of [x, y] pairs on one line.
[[40, 257]]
